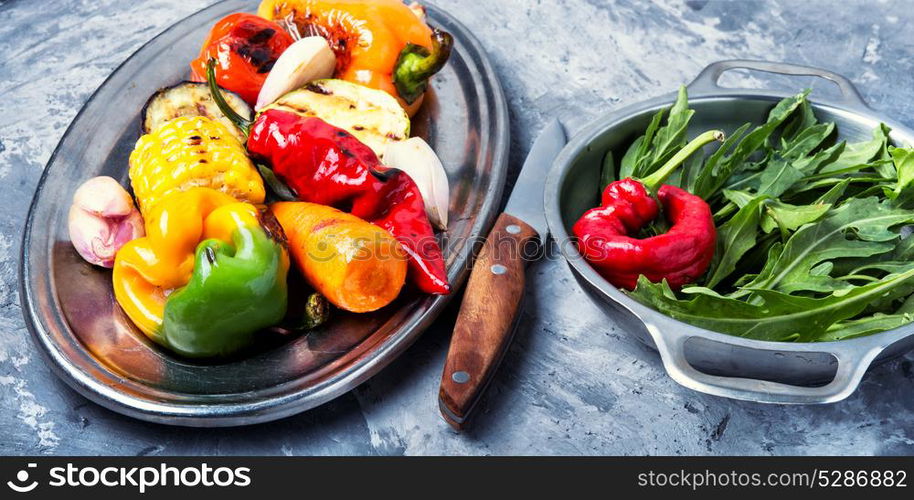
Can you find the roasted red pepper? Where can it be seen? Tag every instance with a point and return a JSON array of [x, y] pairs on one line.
[[607, 235], [245, 47], [324, 164]]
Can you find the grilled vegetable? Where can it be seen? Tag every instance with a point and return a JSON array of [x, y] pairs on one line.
[[372, 116], [246, 47], [417, 64], [304, 61], [190, 99], [324, 164], [415, 157], [369, 37], [192, 152], [209, 273], [607, 235], [356, 265], [102, 219]]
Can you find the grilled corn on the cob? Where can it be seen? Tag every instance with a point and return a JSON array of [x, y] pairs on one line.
[[188, 152]]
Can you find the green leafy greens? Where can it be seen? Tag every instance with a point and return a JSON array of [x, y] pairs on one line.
[[813, 231]]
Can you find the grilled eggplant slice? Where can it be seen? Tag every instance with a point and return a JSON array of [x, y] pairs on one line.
[[372, 116], [191, 99]]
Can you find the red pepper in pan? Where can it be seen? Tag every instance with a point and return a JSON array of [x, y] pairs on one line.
[[608, 235], [324, 164]]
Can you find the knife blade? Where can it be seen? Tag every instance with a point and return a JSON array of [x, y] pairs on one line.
[[526, 200], [495, 291]]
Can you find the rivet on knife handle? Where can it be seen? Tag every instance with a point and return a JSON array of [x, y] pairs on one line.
[[485, 323]]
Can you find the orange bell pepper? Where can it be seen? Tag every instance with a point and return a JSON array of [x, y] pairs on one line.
[[367, 36]]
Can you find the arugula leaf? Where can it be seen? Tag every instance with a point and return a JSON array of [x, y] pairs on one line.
[[716, 173], [669, 138], [789, 217], [865, 326], [740, 198], [803, 119], [778, 317], [659, 143], [904, 166], [807, 140], [734, 239], [859, 154], [867, 218], [777, 178], [639, 148], [813, 164]]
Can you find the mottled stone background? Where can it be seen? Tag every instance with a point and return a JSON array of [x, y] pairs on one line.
[[571, 383]]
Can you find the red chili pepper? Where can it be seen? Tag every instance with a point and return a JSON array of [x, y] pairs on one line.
[[245, 47], [324, 164], [607, 235]]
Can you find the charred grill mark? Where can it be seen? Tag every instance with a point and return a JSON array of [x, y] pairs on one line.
[[260, 57], [338, 35], [262, 36], [358, 127], [255, 48], [298, 109], [317, 89]]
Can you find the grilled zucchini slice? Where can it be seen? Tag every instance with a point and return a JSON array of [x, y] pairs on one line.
[[372, 116], [191, 99]]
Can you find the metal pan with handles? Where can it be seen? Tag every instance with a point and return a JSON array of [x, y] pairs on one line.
[[703, 360]]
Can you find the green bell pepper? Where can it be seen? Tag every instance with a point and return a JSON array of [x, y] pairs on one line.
[[235, 290]]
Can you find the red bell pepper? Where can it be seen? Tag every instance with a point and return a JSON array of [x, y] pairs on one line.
[[245, 47], [324, 164], [608, 235]]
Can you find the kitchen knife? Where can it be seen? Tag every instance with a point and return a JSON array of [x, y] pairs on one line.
[[492, 300]]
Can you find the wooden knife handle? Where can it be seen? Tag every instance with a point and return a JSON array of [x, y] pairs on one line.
[[484, 326]]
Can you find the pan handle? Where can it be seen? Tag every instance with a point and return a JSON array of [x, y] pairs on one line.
[[853, 362], [706, 81]]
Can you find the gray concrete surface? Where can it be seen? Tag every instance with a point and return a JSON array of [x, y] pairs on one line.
[[572, 383]]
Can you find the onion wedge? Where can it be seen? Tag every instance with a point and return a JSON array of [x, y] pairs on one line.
[[415, 157], [306, 60]]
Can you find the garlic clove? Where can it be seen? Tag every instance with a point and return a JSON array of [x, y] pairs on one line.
[[415, 157], [306, 60], [102, 219]]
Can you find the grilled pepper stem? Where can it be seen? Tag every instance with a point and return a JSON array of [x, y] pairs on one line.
[[653, 181], [317, 310], [243, 124], [417, 64]]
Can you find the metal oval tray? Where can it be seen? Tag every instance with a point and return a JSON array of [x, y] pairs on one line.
[[89, 342]]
